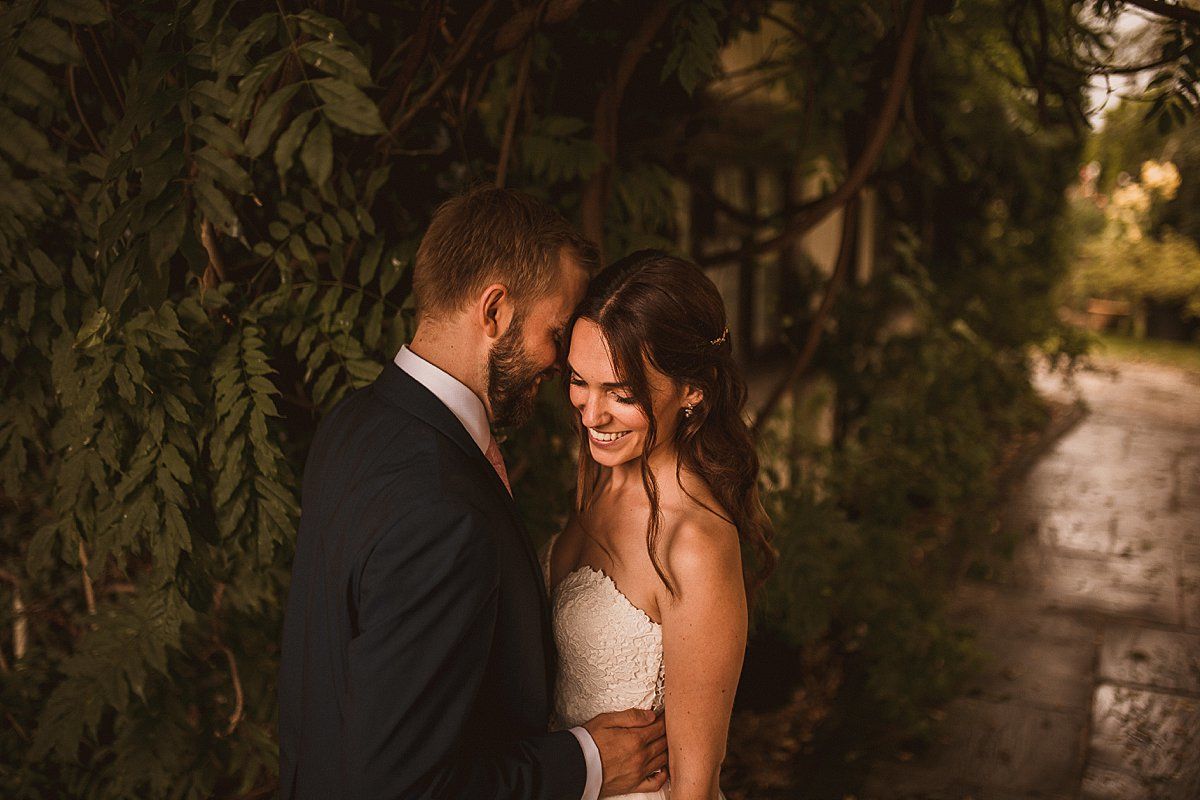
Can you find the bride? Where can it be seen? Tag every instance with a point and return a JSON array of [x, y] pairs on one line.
[[647, 582]]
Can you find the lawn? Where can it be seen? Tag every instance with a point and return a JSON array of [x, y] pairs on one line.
[[1185, 355]]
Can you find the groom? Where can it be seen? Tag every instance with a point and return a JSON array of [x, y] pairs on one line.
[[418, 660]]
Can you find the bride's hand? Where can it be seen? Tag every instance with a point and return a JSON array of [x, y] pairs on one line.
[[633, 750]]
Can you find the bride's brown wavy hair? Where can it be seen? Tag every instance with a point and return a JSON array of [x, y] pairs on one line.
[[658, 310]]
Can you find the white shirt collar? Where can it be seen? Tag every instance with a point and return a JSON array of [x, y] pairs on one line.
[[453, 393]]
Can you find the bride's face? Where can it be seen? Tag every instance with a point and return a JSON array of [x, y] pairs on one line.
[[615, 423]]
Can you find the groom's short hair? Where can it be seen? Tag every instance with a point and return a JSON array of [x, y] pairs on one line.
[[490, 235]]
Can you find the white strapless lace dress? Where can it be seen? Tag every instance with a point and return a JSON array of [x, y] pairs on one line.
[[610, 654]]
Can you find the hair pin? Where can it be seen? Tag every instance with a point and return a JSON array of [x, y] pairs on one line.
[[720, 340]]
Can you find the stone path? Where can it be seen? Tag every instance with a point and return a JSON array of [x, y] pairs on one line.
[[1092, 689]]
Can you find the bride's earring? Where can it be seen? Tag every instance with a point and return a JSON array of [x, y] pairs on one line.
[[688, 410]]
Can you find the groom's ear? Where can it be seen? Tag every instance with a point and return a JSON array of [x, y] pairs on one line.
[[494, 311]]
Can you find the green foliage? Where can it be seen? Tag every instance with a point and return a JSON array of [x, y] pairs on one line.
[[110, 663], [1175, 91], [169, 274], [1134, 221], [556, 149], [868, 558], [1137, 240], [697, 40], [644, 207], [1183, 355], [1160, 269]]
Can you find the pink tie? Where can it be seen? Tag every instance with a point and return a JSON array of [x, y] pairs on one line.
[[494, 456]]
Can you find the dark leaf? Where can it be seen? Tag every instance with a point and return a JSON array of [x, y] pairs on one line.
[[266, 121], [289, 141], [347, 106], [42, 39], [317, 153], [83, 12], [336, 61], [216, 206]]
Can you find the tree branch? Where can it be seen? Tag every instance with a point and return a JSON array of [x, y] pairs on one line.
[[79, 109], [8, 577], [1179, 13], [20, 626], [738, 215], [812, 213], [398, 93], [519, 26], [787, 25], [87, 63], [214, 274], [89, 592], [239, 698], [20, 622], [1126, 69], [477, 90], [596, 191], [17, 726], [514, 110], [462, 50], [816, 328], [108, 70]]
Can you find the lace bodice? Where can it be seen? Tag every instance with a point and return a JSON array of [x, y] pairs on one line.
[[610, 655]]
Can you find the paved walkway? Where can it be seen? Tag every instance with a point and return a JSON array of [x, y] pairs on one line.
[[1092, 689]]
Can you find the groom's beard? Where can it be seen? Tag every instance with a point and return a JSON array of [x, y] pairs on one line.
[[512, 379]]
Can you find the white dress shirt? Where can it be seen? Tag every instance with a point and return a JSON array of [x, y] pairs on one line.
[[466, 405]]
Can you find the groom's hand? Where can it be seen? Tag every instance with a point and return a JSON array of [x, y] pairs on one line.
[[633, 750]]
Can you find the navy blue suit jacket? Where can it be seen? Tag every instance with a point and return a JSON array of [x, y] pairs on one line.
[[417, 657]]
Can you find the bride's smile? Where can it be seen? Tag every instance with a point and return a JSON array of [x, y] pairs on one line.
[[605, 438]]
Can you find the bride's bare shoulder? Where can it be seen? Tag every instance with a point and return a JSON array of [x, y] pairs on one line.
[[700, 544]]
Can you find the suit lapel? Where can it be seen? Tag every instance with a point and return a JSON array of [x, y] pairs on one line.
[[402, 389]]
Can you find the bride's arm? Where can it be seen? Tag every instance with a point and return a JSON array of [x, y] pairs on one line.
[[704, 640]]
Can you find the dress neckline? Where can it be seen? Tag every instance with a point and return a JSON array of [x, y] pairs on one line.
[[593, 571], [607, 579]]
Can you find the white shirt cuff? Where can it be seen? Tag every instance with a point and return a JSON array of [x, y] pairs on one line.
[[591, 757]]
